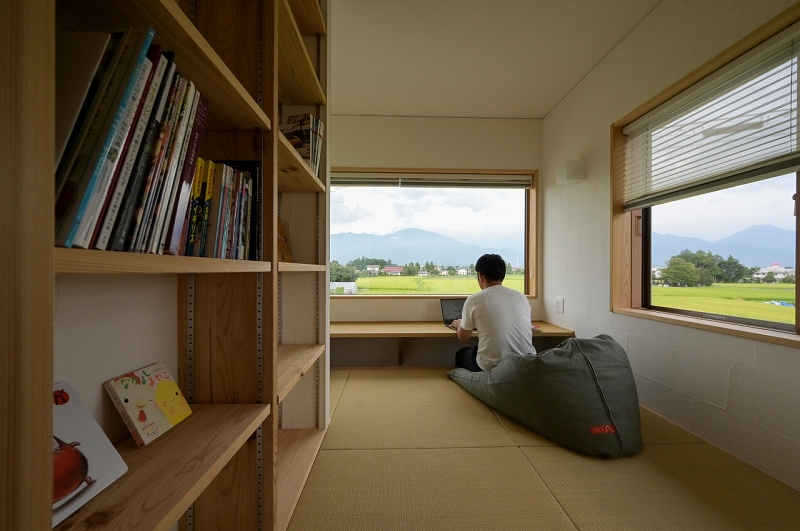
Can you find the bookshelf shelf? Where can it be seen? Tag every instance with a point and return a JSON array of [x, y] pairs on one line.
[[296, 451], [230, 105], [166, 476], [293, 362], [82, 261], [308, 16], [294, 174], [297, 82], [293, 267]]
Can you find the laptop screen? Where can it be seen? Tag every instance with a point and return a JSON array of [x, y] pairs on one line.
[[451, 309]]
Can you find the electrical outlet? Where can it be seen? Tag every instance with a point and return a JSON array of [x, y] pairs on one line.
[[560, 305]]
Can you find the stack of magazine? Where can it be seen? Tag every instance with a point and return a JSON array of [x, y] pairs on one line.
[[304, 133]]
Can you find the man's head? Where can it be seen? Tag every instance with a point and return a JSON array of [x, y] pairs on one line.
[[492, 268]]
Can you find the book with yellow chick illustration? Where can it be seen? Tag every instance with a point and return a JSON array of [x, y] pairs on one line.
[[149, 401]]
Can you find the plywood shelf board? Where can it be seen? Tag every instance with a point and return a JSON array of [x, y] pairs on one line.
[[82, 261], [166, 476], [294, 175], [297, 81], [308, 16], [293, 267], [296, 453], [293, 362]]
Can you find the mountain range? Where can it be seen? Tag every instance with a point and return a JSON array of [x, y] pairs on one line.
[[755, 246], [413, 245]]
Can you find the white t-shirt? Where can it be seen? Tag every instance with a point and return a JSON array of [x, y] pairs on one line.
[[502, 317]]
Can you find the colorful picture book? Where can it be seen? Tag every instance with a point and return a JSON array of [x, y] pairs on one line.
[[149, 401], [84, 460]]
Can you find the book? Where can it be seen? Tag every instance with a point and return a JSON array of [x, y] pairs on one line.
[[84, 460], [103, 127], [208, 217], [176, 230], [78, 57], [251, 215], [131, 154], [195, 210], [154, 182], [89, 220], [174, 169], [80, 130], [149, 401], [125, 224]]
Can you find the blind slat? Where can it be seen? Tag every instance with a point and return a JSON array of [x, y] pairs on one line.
[[744, 118]]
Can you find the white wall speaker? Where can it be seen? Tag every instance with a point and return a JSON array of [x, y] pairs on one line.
[[571, 171]]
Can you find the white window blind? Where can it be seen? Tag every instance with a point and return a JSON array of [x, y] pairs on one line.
[[737, 125], [431, 178]]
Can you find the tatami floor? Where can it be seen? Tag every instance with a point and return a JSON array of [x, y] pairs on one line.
[[409, 449]]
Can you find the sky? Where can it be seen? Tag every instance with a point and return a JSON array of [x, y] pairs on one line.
[[715, 216], [479, 216]]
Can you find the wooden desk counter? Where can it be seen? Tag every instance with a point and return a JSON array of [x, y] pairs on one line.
[[423, 329], [544, 337]]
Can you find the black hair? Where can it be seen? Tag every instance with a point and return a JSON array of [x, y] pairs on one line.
[[491, 266]]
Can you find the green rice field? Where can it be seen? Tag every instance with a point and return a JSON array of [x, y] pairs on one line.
[[751, 301], [449, 285]]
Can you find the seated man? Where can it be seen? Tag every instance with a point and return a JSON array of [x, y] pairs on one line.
[[501, 315]]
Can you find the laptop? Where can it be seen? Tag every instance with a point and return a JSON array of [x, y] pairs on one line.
[[451, 309]]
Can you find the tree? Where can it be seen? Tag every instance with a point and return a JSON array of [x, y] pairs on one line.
[[679, 272], [451, 270], [769, 278], [704, 261], [362, 263], [340, 273], [788, 279], [411, 269], [509, 269], [733, 271]]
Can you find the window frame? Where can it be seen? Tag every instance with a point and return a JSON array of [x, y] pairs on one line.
[[627, 228], [460, 175]]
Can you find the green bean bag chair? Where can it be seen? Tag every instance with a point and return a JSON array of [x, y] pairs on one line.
[[580, 395]]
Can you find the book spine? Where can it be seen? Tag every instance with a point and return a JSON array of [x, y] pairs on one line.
[[124, 227], [163, 196], [177, 229], [175, 168], [222, 219], [122, 93], [131, 156], [155, 178], [124, 414], [249, 208], [86, 229], [207, 208], [195, 208]]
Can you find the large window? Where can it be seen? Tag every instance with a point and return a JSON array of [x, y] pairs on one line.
[[704, 195], [395, 235], [727, 255]]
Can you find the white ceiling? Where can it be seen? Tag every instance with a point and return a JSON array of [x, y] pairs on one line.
[[469, 58]]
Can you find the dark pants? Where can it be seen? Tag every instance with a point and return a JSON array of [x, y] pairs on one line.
[[467, 358]]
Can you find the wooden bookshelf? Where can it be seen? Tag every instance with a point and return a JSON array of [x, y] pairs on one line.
[[229, 349], [166, 476]]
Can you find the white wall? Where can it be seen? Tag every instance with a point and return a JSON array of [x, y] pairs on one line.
[[741, 395], [420, 142]]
